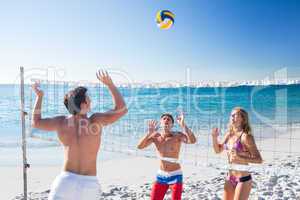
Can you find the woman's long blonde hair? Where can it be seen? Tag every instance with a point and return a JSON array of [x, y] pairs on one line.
[[245, 124]]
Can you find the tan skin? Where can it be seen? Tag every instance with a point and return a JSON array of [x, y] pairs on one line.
[[249, 154], [167, 143], [80, 135]]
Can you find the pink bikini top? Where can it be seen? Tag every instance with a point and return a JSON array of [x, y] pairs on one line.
[[236, 146]]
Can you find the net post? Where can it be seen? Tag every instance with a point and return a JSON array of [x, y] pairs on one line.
[[23, 113]]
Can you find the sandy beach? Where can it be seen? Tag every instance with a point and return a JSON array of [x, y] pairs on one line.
[[131, 177], [200, 182]]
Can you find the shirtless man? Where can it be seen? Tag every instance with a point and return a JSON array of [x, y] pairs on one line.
[[167, 143], [80, 136]]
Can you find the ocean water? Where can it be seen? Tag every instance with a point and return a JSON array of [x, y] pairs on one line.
[[204, 108]]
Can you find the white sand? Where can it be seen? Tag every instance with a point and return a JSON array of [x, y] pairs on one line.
[[131, 178]]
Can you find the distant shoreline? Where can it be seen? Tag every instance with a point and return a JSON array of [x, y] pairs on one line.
[[173, 85]]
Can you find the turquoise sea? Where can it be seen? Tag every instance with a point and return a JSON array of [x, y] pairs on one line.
[[268, 106], [203, 107]]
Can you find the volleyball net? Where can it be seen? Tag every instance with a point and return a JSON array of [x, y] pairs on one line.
[[272, 118]]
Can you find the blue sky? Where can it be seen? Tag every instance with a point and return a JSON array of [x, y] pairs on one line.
[[216, 40]]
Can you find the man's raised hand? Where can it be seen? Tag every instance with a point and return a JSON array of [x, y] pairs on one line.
[[180, 120], [152, 126], [104, 77], [37, 90]]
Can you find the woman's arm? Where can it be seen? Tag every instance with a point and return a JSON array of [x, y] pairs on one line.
[[254, 155], [218, 146]]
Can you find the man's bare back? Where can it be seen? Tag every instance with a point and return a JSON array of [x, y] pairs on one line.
[[79, 134], [81, 146]]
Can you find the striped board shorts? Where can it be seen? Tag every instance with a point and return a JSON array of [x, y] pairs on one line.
[[169, 178]]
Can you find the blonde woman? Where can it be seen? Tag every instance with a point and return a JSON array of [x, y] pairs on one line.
[[241, 149]]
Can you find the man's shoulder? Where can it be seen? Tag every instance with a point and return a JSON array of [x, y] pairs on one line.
[[179, 136], [96, 115], [60, 118], [156, 135], [177, 133]]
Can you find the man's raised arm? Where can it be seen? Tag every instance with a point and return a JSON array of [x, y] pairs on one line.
[[149, 137], [47, 124], [188, 135], [119, 109]]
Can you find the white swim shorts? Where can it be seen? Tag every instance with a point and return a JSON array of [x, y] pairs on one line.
[[71, 186]]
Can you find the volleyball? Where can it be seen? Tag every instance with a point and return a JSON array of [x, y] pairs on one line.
[[164, 19]]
